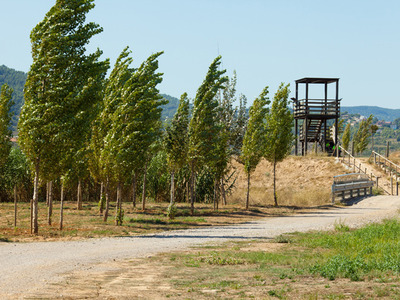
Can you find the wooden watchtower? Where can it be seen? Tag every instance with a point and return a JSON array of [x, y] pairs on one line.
[[311, 115]]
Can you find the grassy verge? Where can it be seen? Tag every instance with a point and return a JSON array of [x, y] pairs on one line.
[[343, 264], [88, 222]]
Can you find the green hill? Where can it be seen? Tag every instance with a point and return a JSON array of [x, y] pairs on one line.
[[170, 108], [16, 80], [386, 114]]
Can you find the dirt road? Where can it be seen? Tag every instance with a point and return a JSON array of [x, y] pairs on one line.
[[27, 267]]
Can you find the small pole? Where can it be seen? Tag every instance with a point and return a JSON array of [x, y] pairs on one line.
[[397, 188], [15, 205], [365, 172], [377, 180], [354, 165], [359, 168]]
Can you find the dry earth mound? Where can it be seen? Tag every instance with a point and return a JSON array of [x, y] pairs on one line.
[[301, 181]]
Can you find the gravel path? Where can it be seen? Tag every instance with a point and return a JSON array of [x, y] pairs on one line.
[[28, 267]]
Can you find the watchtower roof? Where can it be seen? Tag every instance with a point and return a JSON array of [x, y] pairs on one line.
[[317, 80]]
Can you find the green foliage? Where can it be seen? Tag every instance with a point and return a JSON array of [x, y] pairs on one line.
[[102, 202], [204, 126], [157, 176], [254, 141], [131, 118], [15, 172], [176, 136], [5, 122], [346, 137], [279, 127], [60, 87], [119, 218], [279, 130], [171, 211]]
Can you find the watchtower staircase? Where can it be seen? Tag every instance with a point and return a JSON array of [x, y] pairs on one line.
[[311, 116]]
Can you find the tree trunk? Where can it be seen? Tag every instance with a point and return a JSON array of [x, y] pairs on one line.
[[15, 205], [62, 206], [275, 198], [31, 215], [101, 198], [144, 188], [134, 183], [47, 193], [192, 191], [107, 192], [79, 195], [118, 207], [35, 202], [50, 207], [172, 200], [215, 195], [223, 191], [248, 191], [187, 192]]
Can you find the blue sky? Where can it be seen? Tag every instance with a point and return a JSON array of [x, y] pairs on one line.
[[266, 42]]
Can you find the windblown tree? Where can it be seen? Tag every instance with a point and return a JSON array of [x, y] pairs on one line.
[[203, 126], [58, 91], [346, 137], [254, 141], [176, 145], [134, 120], [362, 136], [279, 131], [5, 122]]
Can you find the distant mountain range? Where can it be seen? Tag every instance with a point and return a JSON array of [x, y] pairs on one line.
[[16, 80], [386, 114]]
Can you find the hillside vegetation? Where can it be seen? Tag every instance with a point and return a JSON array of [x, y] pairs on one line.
[[16, 80]]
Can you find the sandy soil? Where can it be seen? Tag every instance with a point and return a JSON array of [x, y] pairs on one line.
[[29, 268]]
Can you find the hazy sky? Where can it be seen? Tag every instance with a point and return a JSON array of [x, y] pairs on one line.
[[266, 42]]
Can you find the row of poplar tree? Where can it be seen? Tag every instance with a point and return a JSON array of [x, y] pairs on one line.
[[77, 123]]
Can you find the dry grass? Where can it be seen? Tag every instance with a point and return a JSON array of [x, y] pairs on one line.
[[88, 223], [395, 157], [301, 182]]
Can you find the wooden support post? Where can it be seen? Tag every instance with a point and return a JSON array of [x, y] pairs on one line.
[[377, 181], [397, 188], [354, 165], [365, 172], [391, 185], [387, 149], [359, 168]]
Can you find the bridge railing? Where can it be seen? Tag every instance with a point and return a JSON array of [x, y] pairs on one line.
[[348, 186], [357, 166]]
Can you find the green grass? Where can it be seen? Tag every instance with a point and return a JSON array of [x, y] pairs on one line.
[[355, 254], [370, 253]]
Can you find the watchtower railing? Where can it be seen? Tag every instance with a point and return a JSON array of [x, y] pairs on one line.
[[328, 108]]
